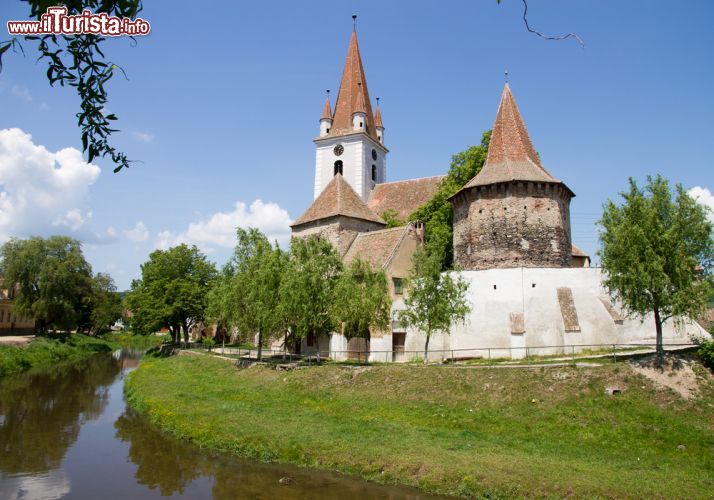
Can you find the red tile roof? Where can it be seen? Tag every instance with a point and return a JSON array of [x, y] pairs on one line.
[[353, 82], [404, 197], [376, 247], [338, 198], [327, 110], [511, 156]]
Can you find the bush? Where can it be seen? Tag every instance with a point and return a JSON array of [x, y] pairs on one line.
[[49, 351], [706, 353], [208, 343]]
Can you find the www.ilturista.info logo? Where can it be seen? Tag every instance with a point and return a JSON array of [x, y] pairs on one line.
[[56, 22]]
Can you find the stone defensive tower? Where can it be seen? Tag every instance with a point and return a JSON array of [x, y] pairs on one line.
[[513, 213]]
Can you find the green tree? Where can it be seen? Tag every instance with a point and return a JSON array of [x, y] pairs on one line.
[[219, 297], [106, 304], [308, 286], [391, 217], [50, 278], [252, 294], [361, 301], [437, 214], [78, 61], [172, 291], [434, 300], [657, 253]]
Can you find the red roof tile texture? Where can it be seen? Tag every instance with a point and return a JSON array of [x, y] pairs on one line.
[[338, 198], [511, 156], [348, 99], [376, 247], [403, 197], [378, 118], [327, 110]]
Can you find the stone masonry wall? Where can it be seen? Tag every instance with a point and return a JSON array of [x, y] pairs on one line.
[[519, 224]]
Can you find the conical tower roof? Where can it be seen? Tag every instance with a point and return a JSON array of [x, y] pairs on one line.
[[511, 156], [378, 116], [327, 110], [338, 198]]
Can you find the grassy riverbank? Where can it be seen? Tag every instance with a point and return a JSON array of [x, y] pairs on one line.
[[46, 351], [461, 431]]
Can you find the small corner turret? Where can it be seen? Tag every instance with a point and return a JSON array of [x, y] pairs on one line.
[[326, 118]]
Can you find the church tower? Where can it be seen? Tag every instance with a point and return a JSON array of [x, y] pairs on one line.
[[351, 141], [513, 213]]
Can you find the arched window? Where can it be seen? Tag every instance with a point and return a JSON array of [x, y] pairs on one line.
[[374, 173], [338, 167]]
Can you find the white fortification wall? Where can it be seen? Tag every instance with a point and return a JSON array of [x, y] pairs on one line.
[[533, 292]]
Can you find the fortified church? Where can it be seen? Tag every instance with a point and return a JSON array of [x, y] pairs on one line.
[[529, 286]]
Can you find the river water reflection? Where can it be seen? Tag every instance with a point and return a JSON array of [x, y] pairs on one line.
[[67, 433]]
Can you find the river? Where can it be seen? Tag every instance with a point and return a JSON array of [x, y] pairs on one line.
[[67, 433]]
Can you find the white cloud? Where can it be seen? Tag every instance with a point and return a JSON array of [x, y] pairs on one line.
[[219, 229], [41, 191], [704, 197], [138, 233], [144, 136], [21, 92], [73, 219]]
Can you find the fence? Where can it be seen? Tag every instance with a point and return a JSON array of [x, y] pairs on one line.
[[479, 355]]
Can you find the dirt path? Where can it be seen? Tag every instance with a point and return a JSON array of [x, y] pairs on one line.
[[18, 340]]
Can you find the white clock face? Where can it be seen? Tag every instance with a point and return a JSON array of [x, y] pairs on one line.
[[339, 149]]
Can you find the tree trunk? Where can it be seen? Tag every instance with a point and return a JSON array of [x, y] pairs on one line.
[[317, 345], [184, 327], [426, 348], [260, 346], [660, 347]]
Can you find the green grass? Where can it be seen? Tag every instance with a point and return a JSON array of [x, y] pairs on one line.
[[46, 351], [459, 431]]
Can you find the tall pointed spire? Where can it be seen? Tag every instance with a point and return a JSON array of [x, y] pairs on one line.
[[511, 156], [327, 110], [352, 85]]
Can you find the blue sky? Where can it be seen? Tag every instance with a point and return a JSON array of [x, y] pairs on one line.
[[222, 104]]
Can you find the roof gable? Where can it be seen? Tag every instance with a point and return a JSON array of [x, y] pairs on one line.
[[338, 198]]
